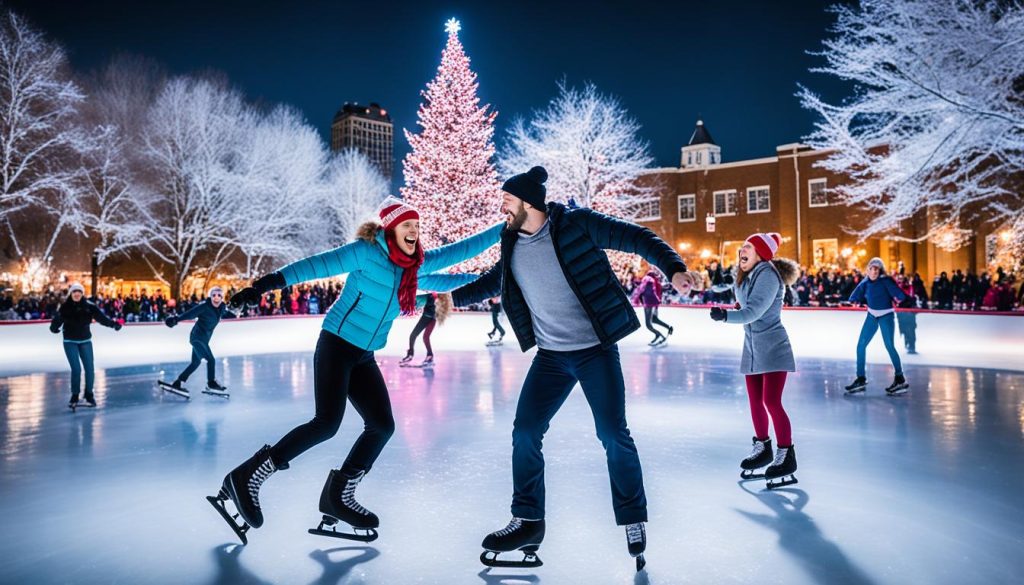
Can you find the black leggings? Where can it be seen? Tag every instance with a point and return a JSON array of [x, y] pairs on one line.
[[651, 315], [425, 326], [342, 370], [497, 324]]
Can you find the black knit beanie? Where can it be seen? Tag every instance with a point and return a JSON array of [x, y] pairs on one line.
[[529, 187]]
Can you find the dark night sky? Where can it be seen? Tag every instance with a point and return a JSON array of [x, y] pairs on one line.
[[735, 63]]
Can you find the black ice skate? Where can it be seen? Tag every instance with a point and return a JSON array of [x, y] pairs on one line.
[[760, 456], [496, 342], [636, 539], [782, 469], [521, 535], [90, 401], [242, 487], [858, 385], [406, 362], [214, 388], [428, 362], [175, 387], [338, 503], [73, 403], [899, 386], [658, 340]]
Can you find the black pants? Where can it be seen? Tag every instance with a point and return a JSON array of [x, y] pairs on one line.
[[342, 370], [651, 316], [200, 351], [425, 326], [497, 325], [552, 376]]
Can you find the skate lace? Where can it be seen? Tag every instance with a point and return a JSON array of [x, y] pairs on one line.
[[780, 456], [756, 451], [265, 470], [348, 495], [513, 525], [635, 533]]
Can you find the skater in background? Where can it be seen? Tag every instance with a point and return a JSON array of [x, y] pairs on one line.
[[560, 293], [767, 358], [207, 315], [907, 318], [428, 320], [495, 303], [74, 316], [386, 264], [880, 293], [649, 294]]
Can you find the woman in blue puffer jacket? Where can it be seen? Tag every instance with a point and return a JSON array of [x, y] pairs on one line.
[[385, 266], [880, 293]]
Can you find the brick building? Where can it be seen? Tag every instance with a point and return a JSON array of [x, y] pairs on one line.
[[707, 208], [369, 130]]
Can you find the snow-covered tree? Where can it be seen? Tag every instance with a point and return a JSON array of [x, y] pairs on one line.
[[591, 149], [353, 189], [936, 117], [114, 196], [449, 175], [194, 139], [277, 187], [39, 140]]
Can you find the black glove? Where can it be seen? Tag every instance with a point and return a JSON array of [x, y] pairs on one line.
[[117, 326], [718, 313], [54, 328], [171, 321], [251, 295]]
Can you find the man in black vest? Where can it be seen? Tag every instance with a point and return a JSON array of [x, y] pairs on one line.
[[560, 293]]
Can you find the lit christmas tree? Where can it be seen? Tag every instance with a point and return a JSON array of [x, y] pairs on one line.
[[449, 175]]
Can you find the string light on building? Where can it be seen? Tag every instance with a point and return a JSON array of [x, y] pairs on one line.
[[705, 254], [950, 238]]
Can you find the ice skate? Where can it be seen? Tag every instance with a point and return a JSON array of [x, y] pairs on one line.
[[899, 386], [338, 504], [495, 342], [90, 401], [782, 469], [760, 456], [73, 403], [406, 362], [636, 539], [428, 362], [242, 487], [214, 388], [175, 387], [658, 340], [520, 535], [858, 385]]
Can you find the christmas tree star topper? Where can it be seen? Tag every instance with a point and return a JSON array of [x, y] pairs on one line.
[[452, 26]]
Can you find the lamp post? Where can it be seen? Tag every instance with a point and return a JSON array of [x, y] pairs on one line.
[[95, 273]]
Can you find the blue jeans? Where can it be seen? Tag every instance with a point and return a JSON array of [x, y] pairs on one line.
[[200, 351], [887, 323], [80, 354], [552, 376]]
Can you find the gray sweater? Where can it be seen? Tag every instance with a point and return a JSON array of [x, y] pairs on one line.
[[559, 321], [765, 341]]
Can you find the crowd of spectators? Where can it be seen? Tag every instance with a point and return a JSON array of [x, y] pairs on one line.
[[148, 307]]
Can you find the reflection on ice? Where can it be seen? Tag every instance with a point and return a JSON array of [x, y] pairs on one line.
[[922, 488]]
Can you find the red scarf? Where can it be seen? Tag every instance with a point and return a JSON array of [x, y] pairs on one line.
[[411, 266]]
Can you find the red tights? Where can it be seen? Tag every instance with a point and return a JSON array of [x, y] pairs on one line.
[[765, 394]]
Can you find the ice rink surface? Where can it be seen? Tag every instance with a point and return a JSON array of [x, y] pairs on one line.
[[924, 488]]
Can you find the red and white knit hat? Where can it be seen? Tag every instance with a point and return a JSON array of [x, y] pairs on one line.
[[766, 245], [396, 213]]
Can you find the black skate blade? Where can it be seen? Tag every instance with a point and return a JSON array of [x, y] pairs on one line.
[[641, 562], [217, 393], [781, 482], [530, 560], [218, 503], [168, 388], [369, 536]]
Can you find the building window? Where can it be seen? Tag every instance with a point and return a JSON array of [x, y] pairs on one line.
[[687, 208], [648, 210], [758, 200], [698, 157], [817, 192], [725, 202]]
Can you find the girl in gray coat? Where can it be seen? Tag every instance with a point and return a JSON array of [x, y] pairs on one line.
[[761, 282]]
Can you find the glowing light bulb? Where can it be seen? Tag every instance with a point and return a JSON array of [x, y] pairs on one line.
[[452, 26]]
